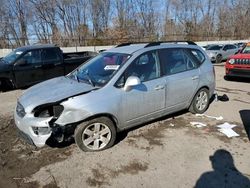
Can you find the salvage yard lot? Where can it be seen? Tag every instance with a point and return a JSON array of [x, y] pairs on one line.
[[164, 153]]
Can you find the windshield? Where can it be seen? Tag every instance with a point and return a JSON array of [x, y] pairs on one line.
[[246, 50], [99, 70], [11, 57], [214, 47]]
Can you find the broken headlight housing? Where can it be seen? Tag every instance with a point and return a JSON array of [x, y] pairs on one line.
[[20, 110], [48, 111], [41, 130]]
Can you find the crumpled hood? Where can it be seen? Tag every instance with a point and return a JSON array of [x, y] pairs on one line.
[[51, 91]]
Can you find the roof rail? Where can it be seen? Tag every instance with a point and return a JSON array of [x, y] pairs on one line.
[[156, 43], [170, 41], [124, 44]]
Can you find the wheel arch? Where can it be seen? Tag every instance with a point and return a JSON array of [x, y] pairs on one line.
[[202, 87], [193, 98], [107, 115]]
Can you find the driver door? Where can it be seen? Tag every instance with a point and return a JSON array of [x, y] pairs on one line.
[[28, 69], [147, 100]]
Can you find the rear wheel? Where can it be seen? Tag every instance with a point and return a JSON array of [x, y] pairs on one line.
[[200, 102], [5, 85], [95, 135]]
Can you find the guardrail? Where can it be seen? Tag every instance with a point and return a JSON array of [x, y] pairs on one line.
[[4, 52]]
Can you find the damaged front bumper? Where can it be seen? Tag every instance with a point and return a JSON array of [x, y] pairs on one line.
[[36, 130]]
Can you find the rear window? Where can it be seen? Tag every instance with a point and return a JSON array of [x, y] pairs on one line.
[[214, 47], [198, 55], [50, 55], [246, 50]]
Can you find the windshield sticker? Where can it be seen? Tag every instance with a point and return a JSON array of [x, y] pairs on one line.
[[111, 67], [19, 53]]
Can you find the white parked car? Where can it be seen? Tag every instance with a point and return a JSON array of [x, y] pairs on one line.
[[218, 53]]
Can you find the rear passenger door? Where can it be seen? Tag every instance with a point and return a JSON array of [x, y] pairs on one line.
[[182, 77], [52, 63]]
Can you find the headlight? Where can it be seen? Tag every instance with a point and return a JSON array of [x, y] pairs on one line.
[[231, 61], [48, 111], [20, 110]]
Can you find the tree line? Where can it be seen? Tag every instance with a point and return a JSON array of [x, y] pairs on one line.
[[109, 22]]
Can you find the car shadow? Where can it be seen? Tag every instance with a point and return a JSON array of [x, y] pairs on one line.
[[245, 117], [237, 79], [51, 142], [224, 173], [123, 134]]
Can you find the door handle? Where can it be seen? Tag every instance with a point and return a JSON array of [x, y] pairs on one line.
[[159, 87], [195, 77]]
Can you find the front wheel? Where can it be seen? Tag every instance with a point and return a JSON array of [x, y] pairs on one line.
[[200, 102], [5, 85], [95, 135]]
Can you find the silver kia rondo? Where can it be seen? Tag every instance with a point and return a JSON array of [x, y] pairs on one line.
[[120, 88]]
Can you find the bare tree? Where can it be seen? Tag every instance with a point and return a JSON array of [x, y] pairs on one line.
[[45, 14], [88, 22], [17, 18], [99, 11]]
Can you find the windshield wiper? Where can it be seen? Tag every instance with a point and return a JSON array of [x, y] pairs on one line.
[[87, 76], [76, 75], [89, 79]]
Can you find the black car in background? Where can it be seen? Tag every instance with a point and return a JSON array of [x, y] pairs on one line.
[[28, 65]]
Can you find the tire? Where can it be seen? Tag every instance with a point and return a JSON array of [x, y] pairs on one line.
[[5, 85], [95, 135], [197, 107], [218, 58], [227, 78]]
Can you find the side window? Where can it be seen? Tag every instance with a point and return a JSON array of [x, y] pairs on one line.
[[146, 67], [232, 47], [176, 61], [32, 57], [198, 55], [226, 47], [51, 55]]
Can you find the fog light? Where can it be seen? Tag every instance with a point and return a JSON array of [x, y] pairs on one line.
[[41, 130]]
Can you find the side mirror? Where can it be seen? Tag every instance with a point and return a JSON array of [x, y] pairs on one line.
[[224, 49], [130, 82], [21, 62]]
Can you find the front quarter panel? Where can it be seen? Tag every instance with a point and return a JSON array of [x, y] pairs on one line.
[[102, 101]]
